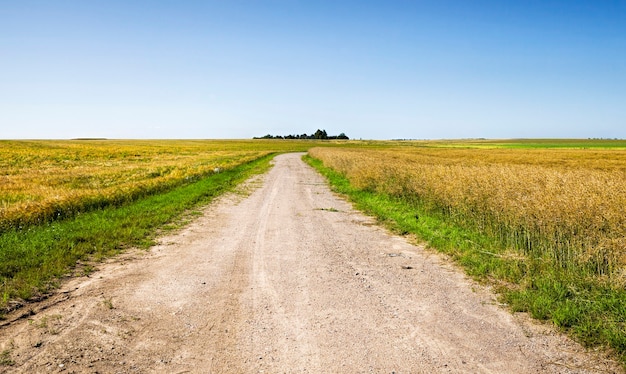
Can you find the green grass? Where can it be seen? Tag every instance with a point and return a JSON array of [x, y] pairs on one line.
[[5, 358], [33, 259], [528, 143], [584, 307]]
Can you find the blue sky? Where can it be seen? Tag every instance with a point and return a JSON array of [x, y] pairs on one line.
[[371, 69]]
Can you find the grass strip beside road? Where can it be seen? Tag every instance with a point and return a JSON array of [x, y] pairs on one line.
[[592, 311], [33, 259]]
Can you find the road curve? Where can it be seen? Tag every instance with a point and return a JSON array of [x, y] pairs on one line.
[[284, 277]]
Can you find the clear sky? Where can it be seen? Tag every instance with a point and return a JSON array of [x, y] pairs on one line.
[[371, 69]]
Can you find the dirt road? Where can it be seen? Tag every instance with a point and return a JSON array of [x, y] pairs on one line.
[[286, 278]]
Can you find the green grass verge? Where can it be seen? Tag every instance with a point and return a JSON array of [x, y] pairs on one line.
[[525, 143], [588, 309], [33, 259]]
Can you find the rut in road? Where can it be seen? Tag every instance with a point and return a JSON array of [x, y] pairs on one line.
[[285, 279]]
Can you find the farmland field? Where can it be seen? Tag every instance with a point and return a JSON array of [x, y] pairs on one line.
[[544, 221], [45, 180], [564, 204]]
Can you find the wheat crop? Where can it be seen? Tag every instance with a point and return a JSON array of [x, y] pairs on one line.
[[46, 180], [565, 205]]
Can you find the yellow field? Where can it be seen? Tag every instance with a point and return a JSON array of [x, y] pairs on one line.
[[44, 180], [565, 204]]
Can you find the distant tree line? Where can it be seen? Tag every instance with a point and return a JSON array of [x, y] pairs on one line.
[[319, 134]]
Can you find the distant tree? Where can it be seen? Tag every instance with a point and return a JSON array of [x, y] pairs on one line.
[[319, 134]]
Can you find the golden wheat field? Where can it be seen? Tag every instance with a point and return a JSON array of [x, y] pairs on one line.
[[44, 180], [568, 205]]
